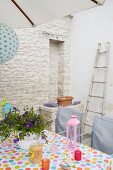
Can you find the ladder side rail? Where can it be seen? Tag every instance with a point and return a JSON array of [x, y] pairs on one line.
[[93, 74], [91, 85], [97, 54], [105, 78]]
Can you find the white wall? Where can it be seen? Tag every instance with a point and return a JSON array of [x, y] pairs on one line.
[[88, 28]]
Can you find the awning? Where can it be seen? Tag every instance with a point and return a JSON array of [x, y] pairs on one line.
[[28, 13]]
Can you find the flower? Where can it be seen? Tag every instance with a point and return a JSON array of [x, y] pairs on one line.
[[25, 124]]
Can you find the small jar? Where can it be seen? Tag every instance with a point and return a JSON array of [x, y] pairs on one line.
[[78, 155], [45, 164], [35, 153]]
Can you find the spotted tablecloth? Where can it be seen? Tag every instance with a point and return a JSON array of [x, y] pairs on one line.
[[14, 158]]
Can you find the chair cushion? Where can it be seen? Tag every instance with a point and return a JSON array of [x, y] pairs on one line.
[[102, 134], [62, 117]]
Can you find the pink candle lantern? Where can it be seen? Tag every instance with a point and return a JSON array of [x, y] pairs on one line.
[[72, 132]]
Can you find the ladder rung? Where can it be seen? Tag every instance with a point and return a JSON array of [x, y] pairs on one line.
[[96, 96], [104, 52], [93, 111], [100, 67], [87, 124], [99, 82]]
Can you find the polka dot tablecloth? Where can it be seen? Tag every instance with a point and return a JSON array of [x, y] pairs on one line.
[[14, 158]]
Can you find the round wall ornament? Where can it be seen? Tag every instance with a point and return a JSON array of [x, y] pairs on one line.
[[9, 43]]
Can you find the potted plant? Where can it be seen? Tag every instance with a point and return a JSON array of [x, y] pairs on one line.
[[24, 124]]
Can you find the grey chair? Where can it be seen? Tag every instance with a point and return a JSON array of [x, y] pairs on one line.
[[102, 134], [62, 117]]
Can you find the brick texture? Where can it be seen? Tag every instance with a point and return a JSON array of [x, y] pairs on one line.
[[40, 72]]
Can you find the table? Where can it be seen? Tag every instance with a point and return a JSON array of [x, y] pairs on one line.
[[14, 158]]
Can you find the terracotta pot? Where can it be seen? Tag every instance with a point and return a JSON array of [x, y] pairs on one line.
[[64, 101]]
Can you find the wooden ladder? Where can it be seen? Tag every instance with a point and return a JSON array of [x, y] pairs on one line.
[[94, 99]]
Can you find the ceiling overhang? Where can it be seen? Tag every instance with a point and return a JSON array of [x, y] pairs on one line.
[[28, 13]]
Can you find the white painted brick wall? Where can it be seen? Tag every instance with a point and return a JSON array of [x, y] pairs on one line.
[[25, 79]]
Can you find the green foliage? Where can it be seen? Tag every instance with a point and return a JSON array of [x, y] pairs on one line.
[[24, 124]]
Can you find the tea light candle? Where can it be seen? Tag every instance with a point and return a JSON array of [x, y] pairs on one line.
[[78, 155], [45, 164]]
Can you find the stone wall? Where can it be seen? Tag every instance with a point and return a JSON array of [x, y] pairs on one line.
[[37, 75]]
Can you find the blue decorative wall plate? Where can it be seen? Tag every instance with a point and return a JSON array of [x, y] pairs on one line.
[[9, 43]]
